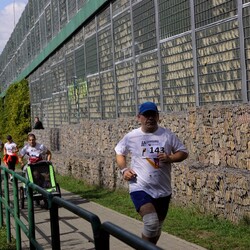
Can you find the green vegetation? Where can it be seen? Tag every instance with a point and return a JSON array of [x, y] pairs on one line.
[[187, 223], [15, 113], [3, 241], [14, 121]]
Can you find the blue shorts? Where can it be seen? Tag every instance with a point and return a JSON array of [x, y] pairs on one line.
[[161, 204]]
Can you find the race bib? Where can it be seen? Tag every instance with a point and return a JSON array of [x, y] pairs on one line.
[[151, 149]]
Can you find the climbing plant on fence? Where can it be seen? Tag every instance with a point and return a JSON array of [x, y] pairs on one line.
[[15, 112]]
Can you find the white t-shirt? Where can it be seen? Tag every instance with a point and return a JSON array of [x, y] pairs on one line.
[[152, 177], [10, 148], [34, 154]]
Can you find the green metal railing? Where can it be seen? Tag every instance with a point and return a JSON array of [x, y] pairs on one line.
[[101, 231]]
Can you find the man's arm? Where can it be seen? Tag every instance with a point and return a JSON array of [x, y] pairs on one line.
[[20, 159], [127, 173], [121, 162], [176, 157], [49, 155]]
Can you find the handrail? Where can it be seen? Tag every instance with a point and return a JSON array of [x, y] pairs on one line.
[[127, 237], [101, 232]]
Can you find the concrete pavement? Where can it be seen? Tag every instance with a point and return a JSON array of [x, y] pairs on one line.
[[76, 233]]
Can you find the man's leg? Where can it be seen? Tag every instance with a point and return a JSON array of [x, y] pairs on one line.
[[12, 163], [151, 231]]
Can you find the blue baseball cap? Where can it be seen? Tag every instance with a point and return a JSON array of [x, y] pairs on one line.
[[148, 106]]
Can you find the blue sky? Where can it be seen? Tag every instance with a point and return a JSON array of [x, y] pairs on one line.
[[10, 12]]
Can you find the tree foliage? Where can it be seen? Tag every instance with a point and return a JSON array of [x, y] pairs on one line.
[[15, 113]]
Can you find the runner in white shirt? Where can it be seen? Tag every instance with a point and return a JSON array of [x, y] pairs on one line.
[[152, 149], [10, 154], [34, 151]]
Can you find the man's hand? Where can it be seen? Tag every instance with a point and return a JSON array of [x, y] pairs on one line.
[[176, 157], [129, 174], [163, 157]]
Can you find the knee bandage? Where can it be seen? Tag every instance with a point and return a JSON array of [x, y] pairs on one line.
[[160, 227], [151, 225]]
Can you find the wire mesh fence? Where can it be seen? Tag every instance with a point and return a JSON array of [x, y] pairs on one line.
[[177, 53]]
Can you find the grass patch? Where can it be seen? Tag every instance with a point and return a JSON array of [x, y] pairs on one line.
[[186, 223], [3, 241]]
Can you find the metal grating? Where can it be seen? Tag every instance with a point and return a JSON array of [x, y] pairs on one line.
[[27, 20], [33, 42], [57, 109], [43, 86], [69, 47], [31, 13], [70, 68], [79, 38], [61, 111], [36, 10], [131, 51], [47, 106], [25, 52], [144, 26], [94, 97], [81, 3], [219, 64], [36, 110], [80, 63], [177, 74], [42, 23], [61, 76], [48, 85], [55, 17], [71, 8], [119, 6], [72, 88], [29, 46], [207, 12], [48, 23], [63, 13], [55, 79], [73, 100], [105, 49], [103, 19], [174, 17], [90, 28], [246, 24], [37, 44], [147, 78], [91, 55], [125, 88], [83, 98], [108, 100], [122, 32], [35, 92]]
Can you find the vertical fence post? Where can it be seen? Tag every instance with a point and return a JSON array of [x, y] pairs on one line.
[[31, 217], [242, 53], [16, 213], [101, 238], [7, 207], [1, 203], [54, 225], [103, 243]]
